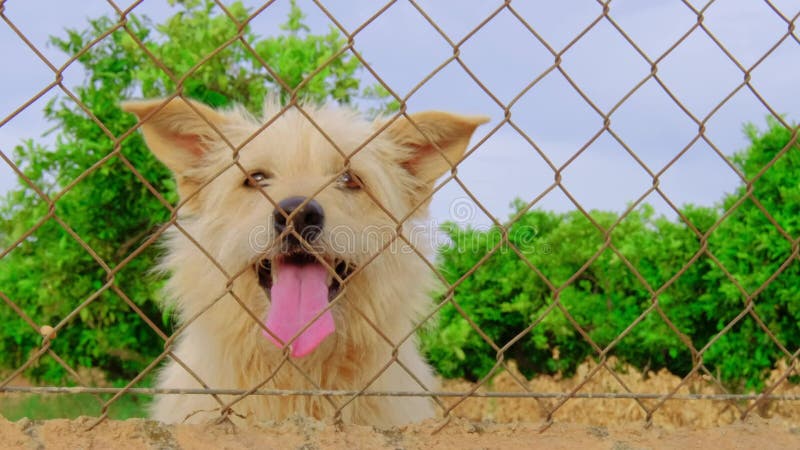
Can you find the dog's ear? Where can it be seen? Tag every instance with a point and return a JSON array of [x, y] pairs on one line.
[[177, 131], [435, 141]]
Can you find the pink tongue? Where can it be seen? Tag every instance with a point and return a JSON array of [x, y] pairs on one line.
[[297, 296]]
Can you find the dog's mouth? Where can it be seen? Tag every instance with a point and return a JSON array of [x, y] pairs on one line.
[[266, 272], [299, 287]]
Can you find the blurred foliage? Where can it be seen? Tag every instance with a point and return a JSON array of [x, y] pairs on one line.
[[71, 406], [49, 274], [505, 296]]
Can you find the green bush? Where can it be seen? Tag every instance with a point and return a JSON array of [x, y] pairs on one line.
[[504, 296], [49, 274]]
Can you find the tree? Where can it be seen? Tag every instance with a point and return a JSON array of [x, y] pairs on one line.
[[49, 273], [752, 245], [504, 296]]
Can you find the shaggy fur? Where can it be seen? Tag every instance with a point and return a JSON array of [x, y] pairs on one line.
[[224, 228]]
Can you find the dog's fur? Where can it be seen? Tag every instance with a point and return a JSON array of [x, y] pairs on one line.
[[211, 253]]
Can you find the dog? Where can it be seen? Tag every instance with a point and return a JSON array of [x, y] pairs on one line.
[[286, 263]]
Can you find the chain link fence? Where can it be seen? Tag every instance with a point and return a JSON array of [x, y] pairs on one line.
[[649, 403]]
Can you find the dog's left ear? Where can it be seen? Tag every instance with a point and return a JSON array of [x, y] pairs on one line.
[[177, 131], [435, 141]]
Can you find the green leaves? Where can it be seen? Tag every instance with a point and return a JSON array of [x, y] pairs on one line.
[[504, 296], [200, 52]]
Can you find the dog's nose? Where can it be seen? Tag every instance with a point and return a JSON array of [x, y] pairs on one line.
[[307, 222]]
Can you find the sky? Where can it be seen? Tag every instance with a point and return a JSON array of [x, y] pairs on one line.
[[506, 57]]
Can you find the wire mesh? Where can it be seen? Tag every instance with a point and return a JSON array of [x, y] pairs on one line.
[[447, 401]]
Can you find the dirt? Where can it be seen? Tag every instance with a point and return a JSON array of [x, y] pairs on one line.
[[672, 414], [457, 434], [477, 423]]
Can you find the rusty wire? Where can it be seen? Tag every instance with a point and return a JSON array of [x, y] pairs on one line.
[[340, 399]]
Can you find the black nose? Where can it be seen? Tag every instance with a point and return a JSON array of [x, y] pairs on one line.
[[307, 222]]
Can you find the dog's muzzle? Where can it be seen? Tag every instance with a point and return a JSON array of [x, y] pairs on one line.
[[305, 215], [299, 281]]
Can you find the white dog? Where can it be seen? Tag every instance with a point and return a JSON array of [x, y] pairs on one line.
[[285, 262]]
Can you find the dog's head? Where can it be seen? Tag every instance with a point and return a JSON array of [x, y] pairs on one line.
[[301, 199]]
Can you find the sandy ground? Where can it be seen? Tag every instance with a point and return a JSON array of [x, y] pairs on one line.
[[672, 414], [477, 423], [458, 434]]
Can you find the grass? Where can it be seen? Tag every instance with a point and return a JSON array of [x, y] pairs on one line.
[[69, 406], [15, 406]]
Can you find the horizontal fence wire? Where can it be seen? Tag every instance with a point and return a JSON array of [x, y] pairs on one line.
[[368, 393]]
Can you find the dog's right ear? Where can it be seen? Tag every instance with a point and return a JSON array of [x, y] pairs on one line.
[[177, 131], [434, 141]]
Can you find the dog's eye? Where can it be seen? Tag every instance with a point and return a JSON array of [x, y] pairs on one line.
[[256, 179], [350, 180]]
